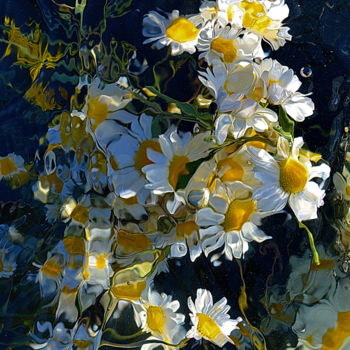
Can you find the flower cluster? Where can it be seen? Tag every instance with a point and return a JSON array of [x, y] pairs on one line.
[[133, 194]]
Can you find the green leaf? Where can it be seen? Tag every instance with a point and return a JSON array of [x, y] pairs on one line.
[[191, 167], [286, 123], [185, 108]]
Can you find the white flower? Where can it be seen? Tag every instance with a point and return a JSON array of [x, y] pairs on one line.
[[232, 222], [183, 237], [128, 155], [323, 326], [177, 151], [342, 183], [156, 314], [102, 102], [180, 32], [210, 321], [265, 17], [281, 85], [289, 179], [236, 79], [308, 282], [237, 116], [223, 11], [226, 44]]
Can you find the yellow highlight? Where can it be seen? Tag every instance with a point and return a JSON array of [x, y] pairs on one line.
[[80, 214], [141, 158], [97, 112], [51, 268], [130, 201], [334, 338], [177, 167], [33, 52], [7, 166], [74, 245], [347, 190], [133, 242], [234, 172], [129, 290], [207, 327], [101, 261], [182, 30], [238, 213], [155, 318], [324, 264], [225, 47], [255, 16], [184, 229], [293, 175], [82, 344]]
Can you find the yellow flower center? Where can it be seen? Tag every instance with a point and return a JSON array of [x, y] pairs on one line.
[[129, 290], [177, 167], [51, 268], [80, 214], [7, 166], [207, 327], [255, 16], [225, 47], [97, 112], [133, 242], [182, 30], [234, 171], [238, 213], [155, 318], [347, 190], [293, 175], [141, 158], [184, 229], [101, 261], [74, 245]]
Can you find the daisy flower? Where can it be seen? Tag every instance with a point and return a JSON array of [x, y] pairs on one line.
[[102, 102], [323, 326], [226, 44], [237, 116], [222, 11], [238, 79], [182, 238], [281, 85], [51, 272], [342, 183], [128, 155], [156, 314], [265, 17], [177, 151], [231, 221], [210, 321], [288, 178], [180, 32]]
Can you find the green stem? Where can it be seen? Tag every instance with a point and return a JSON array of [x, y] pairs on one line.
[[312, 243]]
